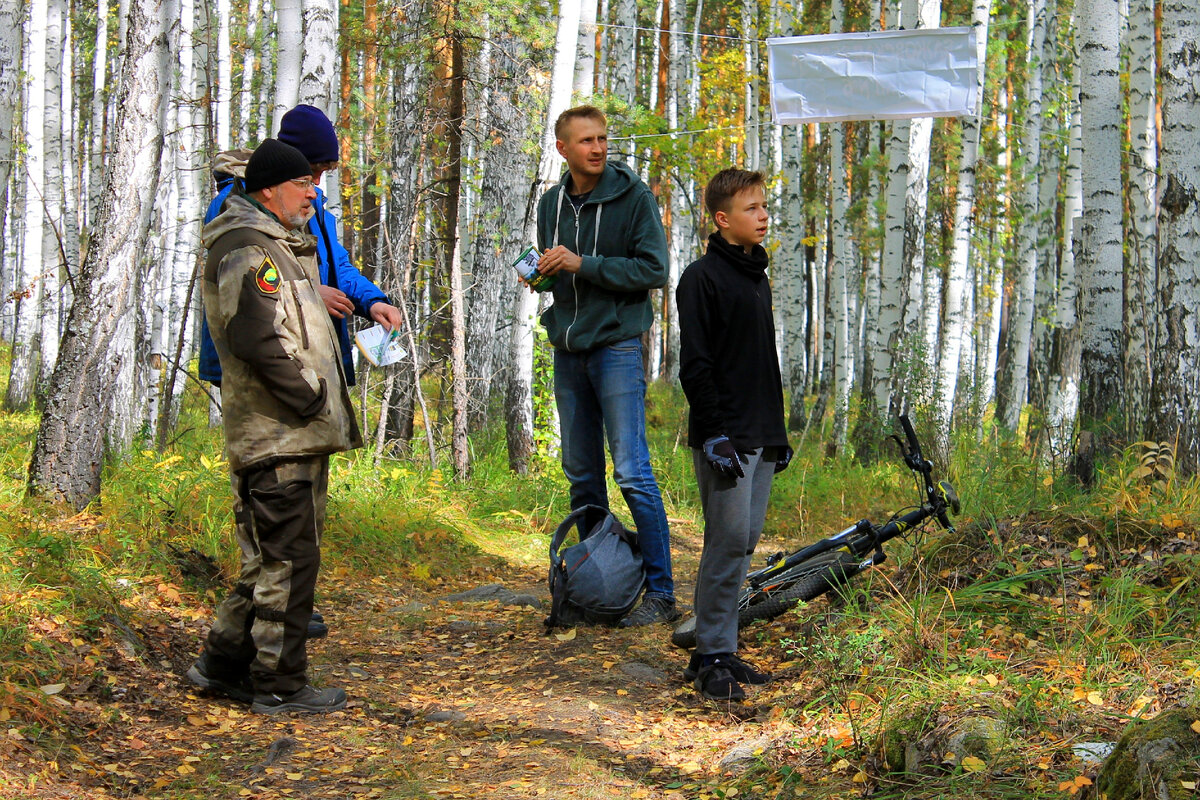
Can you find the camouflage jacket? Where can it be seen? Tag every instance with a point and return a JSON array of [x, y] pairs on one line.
[[284, 392]]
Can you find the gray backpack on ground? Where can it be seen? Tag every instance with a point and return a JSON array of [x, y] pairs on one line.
[[597, 581]]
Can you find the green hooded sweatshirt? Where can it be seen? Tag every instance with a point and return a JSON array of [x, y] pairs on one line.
[[619, 234]]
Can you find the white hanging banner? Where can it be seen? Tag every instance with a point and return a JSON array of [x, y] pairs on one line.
[[928, 72]]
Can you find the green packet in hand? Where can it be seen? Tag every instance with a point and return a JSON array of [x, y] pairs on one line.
[[526, 267]]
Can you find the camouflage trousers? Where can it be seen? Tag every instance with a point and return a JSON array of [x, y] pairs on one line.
[[262, 626]]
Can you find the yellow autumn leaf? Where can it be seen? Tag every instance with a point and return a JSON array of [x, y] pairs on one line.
[[841, 765], [565, 637], [1189, 785], [992, 680], [1095, 699], [973, 764], [688, 767], [53, 688], [295, 776], [1083, 541], [859, 777], [1196, 726]]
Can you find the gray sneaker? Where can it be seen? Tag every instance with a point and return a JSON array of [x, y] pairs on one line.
[[653, 609], [305, 700]]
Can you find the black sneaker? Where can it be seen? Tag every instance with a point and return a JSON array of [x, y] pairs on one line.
[[305, 700], [317, 629], [716, 682], [742, 671], [653, 609], [241, 689]]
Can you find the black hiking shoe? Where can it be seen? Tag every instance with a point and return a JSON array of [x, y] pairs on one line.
[[716, 682], [653, 609], [240, 689], [742, 671], [305, 700], [317, 629]]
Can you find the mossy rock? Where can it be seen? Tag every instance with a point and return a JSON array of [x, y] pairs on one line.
[[915, 739], [1157, 759]]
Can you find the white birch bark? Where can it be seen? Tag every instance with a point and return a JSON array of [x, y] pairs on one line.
[[88, 407], [54, 226], [788, 283], [1143, 191], [750, 97], [223, 99], [623, 66], [1100, 264], [839, 264], [289, 46], [21, 374], [10, 86], [319, 68], [519, 396], [96, 129], [954, 326], [682, 227], [1013, 384], [585, 51], [253, 48], [1177, 359]]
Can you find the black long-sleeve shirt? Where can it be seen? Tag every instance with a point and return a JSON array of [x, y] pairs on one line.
[[729, 367]]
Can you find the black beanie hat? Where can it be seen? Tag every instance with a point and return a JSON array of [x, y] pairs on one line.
[[274, 162], [307, 129]]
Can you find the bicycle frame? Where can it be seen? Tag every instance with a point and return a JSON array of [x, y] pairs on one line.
[[864, 539]]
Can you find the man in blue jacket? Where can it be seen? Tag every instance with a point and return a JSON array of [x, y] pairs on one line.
[[343, 288], [600, 232]]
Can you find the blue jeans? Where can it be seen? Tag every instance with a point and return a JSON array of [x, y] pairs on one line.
[[604, 391]]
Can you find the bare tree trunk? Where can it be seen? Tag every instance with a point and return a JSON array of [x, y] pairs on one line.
[[86, 414], [288, 58], [319, 65], [22, 371], [1100, 267], [1177, 360]]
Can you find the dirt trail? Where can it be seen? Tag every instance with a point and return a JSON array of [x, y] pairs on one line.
[[448, 699]]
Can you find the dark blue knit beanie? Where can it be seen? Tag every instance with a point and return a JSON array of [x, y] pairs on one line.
[[307, 129]]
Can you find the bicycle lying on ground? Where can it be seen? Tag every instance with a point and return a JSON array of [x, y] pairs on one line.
[[788, 579]]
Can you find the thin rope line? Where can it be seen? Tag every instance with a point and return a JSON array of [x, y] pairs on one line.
[[676, 33]]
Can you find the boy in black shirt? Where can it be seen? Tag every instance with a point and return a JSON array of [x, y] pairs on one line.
[[730, 373]]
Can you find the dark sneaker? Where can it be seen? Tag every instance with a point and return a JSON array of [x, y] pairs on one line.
[[317, 629], [742, 671], [240, 689], [716, 682], [305, 700], [653, 609]]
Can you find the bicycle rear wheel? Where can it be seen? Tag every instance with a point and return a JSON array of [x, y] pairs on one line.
[[805, 581]]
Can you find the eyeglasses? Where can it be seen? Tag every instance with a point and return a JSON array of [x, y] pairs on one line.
[[303, 183]]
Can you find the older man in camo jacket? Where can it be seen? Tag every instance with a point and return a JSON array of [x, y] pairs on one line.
[[286, 408]]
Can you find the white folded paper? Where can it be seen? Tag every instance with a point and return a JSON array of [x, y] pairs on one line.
[[928, 72]]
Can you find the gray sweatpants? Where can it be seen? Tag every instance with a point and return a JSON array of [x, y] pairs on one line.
[[734, 513]]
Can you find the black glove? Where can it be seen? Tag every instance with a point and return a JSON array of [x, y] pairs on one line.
[[724, 458], [785, 458]]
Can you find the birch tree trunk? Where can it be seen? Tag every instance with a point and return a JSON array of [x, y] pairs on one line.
[[960, 256], [750, 97], [224, 95], [585, 52], [1100, 270], [54, 225], [21, 375], [289, 30], [86, 409], [518, 401], [96, 129], [842, 361], [10, 87], [1013, 384], [623, 65], [1143, 191], [789, 277], [319, 67], [1177, 359]]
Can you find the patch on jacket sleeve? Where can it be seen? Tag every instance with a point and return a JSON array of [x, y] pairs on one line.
[[267, 277]]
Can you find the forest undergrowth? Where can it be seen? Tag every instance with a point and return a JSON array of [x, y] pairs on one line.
[[1056, 614]]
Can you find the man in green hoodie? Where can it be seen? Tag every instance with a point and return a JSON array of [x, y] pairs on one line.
[[601, 234]]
